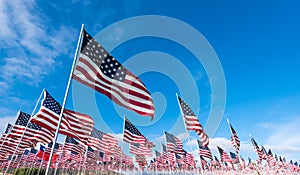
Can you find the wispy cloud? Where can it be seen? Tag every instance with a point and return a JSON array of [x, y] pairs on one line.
[[4, 120], [30, 48]]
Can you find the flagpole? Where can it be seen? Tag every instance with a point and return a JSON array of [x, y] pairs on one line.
[[186, 129], [65, 98], [23, 131]]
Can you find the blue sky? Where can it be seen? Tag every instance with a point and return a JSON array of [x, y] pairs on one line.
[[257, 44]]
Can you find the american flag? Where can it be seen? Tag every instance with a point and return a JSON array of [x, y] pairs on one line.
[[132, 134], [264, 153], [259, 153], [97, 69], [204, 150], [189, 159], [192, 122], [140, 149], [32, 133], [271, 160], [174, 145], [101, 141], [164, 152], [223, 155], [7, 130], [234, 157], [74, 146], [73, 124], [234, 138]]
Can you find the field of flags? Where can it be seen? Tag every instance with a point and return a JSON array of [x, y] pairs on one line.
[[30, 142]]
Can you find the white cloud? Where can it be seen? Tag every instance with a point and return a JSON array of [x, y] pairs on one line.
[[4, 120], [31, 47], [4, 88]]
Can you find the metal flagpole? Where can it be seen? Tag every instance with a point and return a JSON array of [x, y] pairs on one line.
[[65, 98], [187, 130], [23, 132]]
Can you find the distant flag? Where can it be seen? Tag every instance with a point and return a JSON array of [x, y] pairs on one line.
[[8, 128], [101, 141], [204, 150], [73, 124], [164, 152], [132, 134], [192, 122], [31, 132], [249, 160], [174, 145], [140, 149], [234, 138], [264, 153], [276, 158], [97, 69], [259, 153], [74, 146], [234, 157], [271, 160], [223, 155]]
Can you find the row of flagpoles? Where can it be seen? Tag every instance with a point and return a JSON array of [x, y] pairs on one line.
[[89, 149]]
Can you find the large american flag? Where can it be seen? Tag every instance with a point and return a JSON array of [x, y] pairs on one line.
[[192, 122], [132, 134], [234, 138], [204, 150], [97, 69], [73, 124], [223, 155]]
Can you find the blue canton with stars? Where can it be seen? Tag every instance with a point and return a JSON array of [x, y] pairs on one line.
[[131, 128], [108, 65], [50, 103]]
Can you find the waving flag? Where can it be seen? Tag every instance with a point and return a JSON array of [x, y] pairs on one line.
[[223, 155], [73, 124], [234, 157], [234, 138], [174, 145], [140, 149], [204, 150], [271, 160], [132, 134], [192, 122], [259, 153], [102, 141], [99, 70], [32, 133], [74, 146]]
